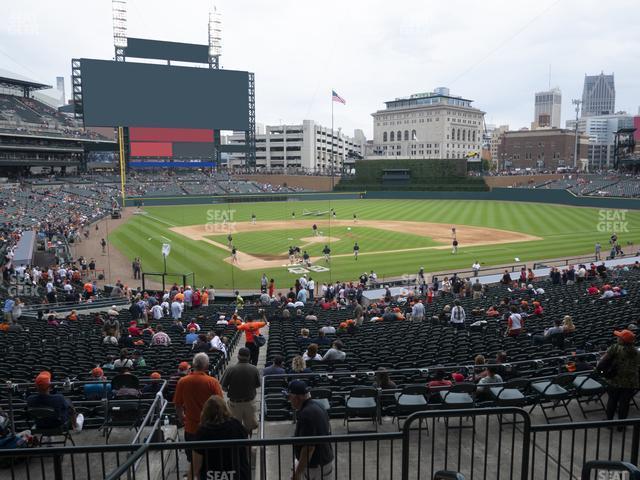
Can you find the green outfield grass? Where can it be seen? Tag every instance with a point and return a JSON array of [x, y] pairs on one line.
[[277, 242], [565, 231]]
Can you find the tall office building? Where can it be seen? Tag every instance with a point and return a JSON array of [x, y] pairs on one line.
[[598, 95], [60, 88], [548, 109]]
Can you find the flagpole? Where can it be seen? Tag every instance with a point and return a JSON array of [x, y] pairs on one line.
[[332, 102]]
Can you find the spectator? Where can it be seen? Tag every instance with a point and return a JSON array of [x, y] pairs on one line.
[[311, 353], [240, 382], [299, 365], [439, 381], [192, 391], [304, 340], [515, 323], [217, 423], [417, 311], [275, 368], [202, 344], [458, 315], [160, 337], [154, 385], [191, 337], [311, 461], [620, 365], [492, 377], [321, 340], [549, 333], [568, 325], [183, 370], [383, 381], [335, 353], [124, 361], [252, 330], [97, 390], [65, 413]]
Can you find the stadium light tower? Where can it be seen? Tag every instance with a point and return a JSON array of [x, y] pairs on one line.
[[119, 15], [577, 103], [215, 37]]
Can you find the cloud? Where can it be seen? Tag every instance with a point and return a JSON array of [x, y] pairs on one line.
[[497, 53]]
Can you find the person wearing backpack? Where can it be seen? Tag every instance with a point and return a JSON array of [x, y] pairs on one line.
[[620, 366]]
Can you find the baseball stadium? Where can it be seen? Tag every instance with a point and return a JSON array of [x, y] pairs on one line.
[[184, 298]]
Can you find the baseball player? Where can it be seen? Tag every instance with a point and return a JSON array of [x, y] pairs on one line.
[[253, 219], [315, 230], [326, 251], [355, 218], [306, 259], [454, 246], [356, 250], [229, 240], [234, 254]]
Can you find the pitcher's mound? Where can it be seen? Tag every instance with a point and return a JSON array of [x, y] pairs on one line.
[[319, 239]]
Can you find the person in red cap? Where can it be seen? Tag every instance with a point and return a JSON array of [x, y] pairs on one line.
[[96, 391], [620, 366], [65, 413]]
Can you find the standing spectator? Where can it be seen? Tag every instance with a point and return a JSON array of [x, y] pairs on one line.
[[240, 382], [251, 330], [458, 315], [217, 423], [312, 461], [515, 323], [476, 268], [417, 311], [176, 309], [8, 309], [192, 391], [620, 365]]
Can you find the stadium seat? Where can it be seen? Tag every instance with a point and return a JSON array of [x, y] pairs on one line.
[[362, 405], [553, 393]]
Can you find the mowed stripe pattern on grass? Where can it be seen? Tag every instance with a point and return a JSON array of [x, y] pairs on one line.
[[567, 231]]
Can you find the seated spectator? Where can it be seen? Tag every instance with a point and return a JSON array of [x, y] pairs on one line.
[[311, 353], [567, 324], [299, 365], [593, 290], [303, 339], [97, 391], [138, 359], [125, 385], [328, 329], [548, 334], [202, 344], [193, 324], [439, 381], [154, 385], [65, 413], [275, 368], [479, 370], [183, 370], [492, 311], [492, 377], [124, 361], [335, 353], [191, 337], [383, 381], [160, 337], [177, 327], [134, 330], [217, 343], [322, 340], [537, 309]]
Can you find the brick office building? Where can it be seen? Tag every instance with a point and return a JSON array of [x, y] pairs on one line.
[[545, 149]]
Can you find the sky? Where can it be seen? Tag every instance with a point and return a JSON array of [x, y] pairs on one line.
[[495, 52]]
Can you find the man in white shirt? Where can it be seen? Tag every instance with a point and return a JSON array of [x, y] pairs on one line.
[[303, 281], [157, 312], [176, 309], [311, 287], [417, 312], [458, 315], [160, 338], [476, 268]]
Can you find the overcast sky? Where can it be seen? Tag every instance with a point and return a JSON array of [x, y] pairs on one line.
[[495, 52]]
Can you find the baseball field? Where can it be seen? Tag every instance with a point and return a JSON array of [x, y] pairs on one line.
[[395, 237]]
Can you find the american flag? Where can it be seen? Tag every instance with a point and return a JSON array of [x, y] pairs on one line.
[[337, 98]]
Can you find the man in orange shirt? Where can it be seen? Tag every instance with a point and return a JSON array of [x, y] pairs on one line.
[[251, 330], [192, 391]]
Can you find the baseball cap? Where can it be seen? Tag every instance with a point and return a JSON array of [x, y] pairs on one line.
[[627, 336], [297, 387], [457, 377], [97, 372], [43, 380], [184, 366], [156, 375]]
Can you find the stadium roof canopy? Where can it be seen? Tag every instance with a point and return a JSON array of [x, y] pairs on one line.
[[10, 79]]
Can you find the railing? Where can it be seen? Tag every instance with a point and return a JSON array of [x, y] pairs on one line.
[[101, 303], [496, 443]]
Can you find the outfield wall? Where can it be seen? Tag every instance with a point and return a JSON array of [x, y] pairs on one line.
[[561, 197]]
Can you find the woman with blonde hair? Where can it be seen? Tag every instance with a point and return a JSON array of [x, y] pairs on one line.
[[216, 423], [568, 325], [298, 365]]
